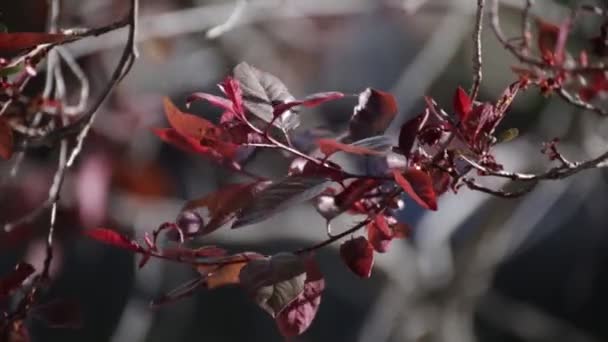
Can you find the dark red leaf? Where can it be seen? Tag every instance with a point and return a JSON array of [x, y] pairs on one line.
[[408, 134], [60, 314], [233, 91], [187, 124], [358, 255], [185, 143], [6, 140], [462, 104], [113, 238], [419, 186], [354, 191], [330, 146], [548, 34], [15, 42], [13, 280], [373, 114], [294, 319]]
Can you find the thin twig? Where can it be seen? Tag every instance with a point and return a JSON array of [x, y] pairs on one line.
[[477, 59]]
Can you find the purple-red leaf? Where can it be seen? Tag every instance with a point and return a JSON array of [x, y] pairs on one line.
[[373, 114], [113, 238], [216, 101], [13, 280], [187, 124], [309, 101], [419, 186], [294, 319], [185, 143], [15, 42], [358, 255], [462, 104], [224, 204], [379, 234], [274, 282]]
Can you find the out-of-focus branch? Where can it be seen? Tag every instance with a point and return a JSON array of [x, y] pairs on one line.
[[83, 125]]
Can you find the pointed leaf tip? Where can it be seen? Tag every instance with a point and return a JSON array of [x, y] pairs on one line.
[[462, 104]]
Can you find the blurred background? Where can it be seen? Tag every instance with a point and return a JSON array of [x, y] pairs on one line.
[[480, 268]]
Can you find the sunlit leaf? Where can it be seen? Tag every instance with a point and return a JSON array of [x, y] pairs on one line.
[[278, 196], [274, 282], [294, 319], [261, 91]]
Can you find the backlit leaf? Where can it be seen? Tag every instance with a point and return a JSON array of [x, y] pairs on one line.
[[419, 186], [187, 124], [379, 234], [113, 238]]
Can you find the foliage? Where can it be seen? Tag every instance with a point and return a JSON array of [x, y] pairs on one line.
[[435, 152]]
